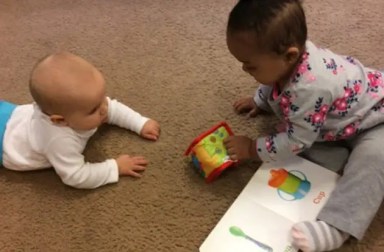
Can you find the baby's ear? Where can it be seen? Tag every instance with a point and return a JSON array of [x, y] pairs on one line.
[[58, 119], [292, 55]]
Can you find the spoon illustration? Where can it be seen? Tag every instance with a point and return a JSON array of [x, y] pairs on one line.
[[236, 231]]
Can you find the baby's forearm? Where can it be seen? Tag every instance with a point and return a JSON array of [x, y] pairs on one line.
[[89, 175], [125, 117]]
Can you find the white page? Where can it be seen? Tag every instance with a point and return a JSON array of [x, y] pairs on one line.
[[264, 215], [255, 221]]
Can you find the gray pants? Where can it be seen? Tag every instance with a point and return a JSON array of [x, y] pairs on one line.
[[359, 192]]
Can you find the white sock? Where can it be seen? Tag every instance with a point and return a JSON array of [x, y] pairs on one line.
[[310, 236]]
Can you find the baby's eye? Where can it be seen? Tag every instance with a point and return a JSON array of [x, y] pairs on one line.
[[249, 68], [94, 111]]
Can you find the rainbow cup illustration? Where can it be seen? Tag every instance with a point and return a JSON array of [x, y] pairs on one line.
[[289, 186]]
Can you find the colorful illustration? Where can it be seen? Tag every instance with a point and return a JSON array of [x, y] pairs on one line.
[[236, 231], [289, 186], [208, 153], [258, 213]]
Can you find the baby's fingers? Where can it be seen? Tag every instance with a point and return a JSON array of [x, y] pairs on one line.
[[138, 168], [134, 174], [134, 171], [152, 135], [253, 113], [238, 105], [228, 141], [157, 127], [233, 157], [242, 107], [139, 160]]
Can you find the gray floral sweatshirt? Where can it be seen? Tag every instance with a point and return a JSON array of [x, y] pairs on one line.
[[329, 97]]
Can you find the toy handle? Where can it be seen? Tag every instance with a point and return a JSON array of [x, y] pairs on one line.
[[281, 196], [301, 173]]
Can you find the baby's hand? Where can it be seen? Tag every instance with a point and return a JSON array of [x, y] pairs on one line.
[[247, 105], [240, 148], [130, 165], [151, 130]]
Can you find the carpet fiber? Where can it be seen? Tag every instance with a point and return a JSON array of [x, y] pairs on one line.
[[168, 60]]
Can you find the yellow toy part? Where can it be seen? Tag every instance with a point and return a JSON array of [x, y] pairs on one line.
[[208, 152]]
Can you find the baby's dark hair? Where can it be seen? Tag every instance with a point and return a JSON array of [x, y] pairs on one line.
[[277, 24]]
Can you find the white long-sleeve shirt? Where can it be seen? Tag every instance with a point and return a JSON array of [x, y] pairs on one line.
[[32, 142], [329, 97]]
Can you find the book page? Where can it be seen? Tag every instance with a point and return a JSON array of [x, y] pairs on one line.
[[263, 214], [249, 227], [298, 197]]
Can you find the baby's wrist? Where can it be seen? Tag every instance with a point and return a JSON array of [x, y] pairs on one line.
[[118, 166]]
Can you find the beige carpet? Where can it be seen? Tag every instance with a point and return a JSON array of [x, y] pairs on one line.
[[168, 60]]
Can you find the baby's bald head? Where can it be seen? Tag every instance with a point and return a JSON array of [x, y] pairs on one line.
[[62, 81]]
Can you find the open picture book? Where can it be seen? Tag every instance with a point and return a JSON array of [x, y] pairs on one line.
[[278, 195]]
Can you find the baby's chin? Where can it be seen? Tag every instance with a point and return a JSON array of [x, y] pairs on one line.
[[269, 82]]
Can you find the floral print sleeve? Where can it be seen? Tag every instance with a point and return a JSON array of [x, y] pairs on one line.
[[261, 97], [304, 111]]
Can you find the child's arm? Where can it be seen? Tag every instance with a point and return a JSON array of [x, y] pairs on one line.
[[65, 155], [306, 108], [305, 116], [125, 117], [256, 104]]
